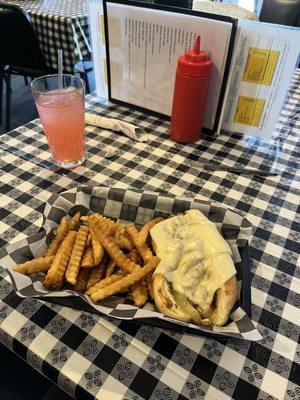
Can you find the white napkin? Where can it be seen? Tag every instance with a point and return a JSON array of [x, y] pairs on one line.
[[132, 131]]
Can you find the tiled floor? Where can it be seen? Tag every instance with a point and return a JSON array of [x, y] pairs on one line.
[[18, 381]]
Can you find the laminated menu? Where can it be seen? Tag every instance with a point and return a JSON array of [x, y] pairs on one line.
[[264, 60], [136, 47]]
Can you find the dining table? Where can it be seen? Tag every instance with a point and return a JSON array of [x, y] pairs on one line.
[[59, 24], [93, 356]]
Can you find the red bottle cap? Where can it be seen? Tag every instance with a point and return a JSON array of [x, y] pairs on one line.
[[195, 62]]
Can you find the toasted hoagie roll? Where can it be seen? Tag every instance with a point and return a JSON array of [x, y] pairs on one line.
[[168, 305], [195, 279]]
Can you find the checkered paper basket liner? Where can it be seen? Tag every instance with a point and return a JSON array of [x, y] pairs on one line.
[[138, 207]]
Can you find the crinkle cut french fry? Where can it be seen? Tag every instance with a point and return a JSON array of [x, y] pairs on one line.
[[97, 273], [108, 226], [74, 221], [34, 266], [55, 275], [113, 250], [88, 259], [122, 239], [61, 233], [111, 227], [139, 239], [125, 282], [82, 280], [76, 256], [144, 232], [139, 293], [135, 256], [142, 248], [88, 240], [124, 243], [104, 282], [97, 247], [145, 253], [111, 266], [84, 218], [139, 290]]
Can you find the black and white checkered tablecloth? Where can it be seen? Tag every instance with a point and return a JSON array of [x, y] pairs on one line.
[[59, 24], [110, 359]]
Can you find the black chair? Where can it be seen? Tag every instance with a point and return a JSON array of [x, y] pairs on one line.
[[20, 53], [283, 12], [84, 67]]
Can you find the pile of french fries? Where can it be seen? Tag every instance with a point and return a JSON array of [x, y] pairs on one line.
[[99, 257]]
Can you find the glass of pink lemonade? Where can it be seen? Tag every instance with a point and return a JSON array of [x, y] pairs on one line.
[[61, 111]]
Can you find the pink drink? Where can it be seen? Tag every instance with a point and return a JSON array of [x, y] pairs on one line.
[[62, 116]]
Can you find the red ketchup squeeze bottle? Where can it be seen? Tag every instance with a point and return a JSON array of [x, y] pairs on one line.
[[190, 95]]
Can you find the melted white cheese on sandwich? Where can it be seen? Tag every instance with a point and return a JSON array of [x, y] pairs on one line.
[[195, 259]]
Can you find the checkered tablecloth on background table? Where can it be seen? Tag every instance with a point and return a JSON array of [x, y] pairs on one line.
[[110, 359], [59, 24]]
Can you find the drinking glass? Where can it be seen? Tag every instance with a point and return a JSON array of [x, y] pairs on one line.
[[61, 111]]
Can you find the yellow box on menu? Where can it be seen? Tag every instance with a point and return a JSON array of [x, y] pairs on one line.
[[249, 111], [260, 66]]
